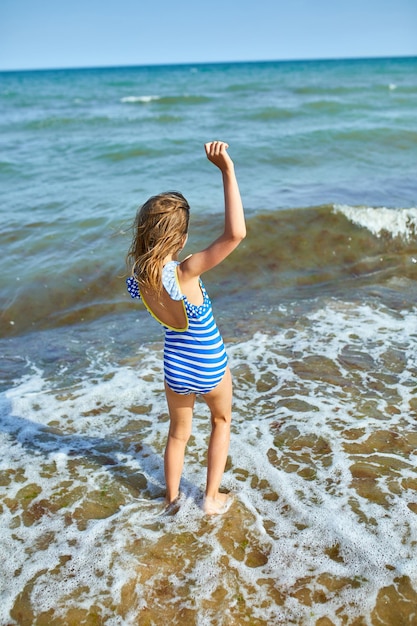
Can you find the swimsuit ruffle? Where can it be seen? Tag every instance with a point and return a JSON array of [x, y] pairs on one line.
[[170, 282], [132, 287]]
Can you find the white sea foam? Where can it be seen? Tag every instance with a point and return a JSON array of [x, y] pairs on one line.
[[136, 99], [397, 222], [70, 443]]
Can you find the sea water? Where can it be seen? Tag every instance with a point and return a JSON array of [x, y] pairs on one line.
[[317, 309]]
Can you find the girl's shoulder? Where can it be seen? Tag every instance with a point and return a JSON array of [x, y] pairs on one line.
[[170, 282]]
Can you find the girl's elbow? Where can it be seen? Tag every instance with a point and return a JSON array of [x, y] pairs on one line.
[[236, 237]]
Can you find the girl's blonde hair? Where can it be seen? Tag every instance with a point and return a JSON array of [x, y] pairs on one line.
[[160, 227]]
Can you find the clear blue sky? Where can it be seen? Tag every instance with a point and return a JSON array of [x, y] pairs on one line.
[[86, 33]]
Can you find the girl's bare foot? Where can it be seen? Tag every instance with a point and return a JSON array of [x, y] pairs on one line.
[[218, 505], [171, 508]]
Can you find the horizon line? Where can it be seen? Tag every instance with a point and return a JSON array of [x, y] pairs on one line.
[[192, 63]]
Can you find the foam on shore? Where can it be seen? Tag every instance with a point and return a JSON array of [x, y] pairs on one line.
[[322, 459]]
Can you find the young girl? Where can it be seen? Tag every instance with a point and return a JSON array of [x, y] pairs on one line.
[[195, 360]]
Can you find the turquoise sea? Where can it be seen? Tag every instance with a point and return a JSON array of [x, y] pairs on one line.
[[318, 311]]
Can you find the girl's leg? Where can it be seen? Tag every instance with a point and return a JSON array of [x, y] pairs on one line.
[[219, 402], [180, 415]]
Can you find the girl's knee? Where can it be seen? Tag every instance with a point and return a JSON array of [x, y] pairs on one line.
[[180, 434], [221, 419]]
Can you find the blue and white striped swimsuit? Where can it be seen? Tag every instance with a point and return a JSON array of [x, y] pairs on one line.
[[195, 359]]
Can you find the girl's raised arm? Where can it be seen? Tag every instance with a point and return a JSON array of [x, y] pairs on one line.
[[234, 220]]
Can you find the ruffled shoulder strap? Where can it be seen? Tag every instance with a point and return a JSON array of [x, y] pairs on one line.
[[170, 280]]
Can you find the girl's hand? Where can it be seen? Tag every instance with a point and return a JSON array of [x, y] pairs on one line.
[[216, 152]]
